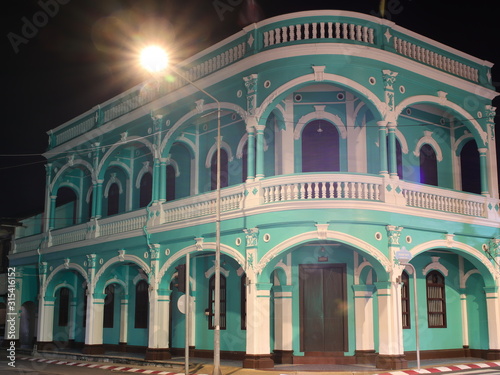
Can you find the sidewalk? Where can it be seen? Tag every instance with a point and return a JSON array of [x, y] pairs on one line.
[[199, 366]]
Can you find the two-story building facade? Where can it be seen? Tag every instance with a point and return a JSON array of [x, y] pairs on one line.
[[347, 144]]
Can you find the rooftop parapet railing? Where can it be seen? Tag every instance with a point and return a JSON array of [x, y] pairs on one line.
[[327, 26]]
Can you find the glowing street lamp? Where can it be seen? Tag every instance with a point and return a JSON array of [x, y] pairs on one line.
[[155, 60]]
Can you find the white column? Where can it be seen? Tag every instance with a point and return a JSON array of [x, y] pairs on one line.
[[72, 319], [46, 320], [258, 343], [124, 320], [465, 320], [283, 329], [493, 311], [95, 316], [163, 318], [391, 351], [363, 312]]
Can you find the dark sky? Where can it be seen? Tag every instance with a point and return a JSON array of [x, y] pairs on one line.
[[60, 58]]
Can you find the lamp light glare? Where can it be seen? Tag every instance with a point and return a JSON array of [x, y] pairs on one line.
[[154, 59]]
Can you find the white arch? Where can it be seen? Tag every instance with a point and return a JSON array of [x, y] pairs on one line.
[[195, 113], [70, 166], [132, 139], [241, 144], [330, 235], [120, 259], [327, 78], [427, 139], [146, 168], [225, 146], [442, 101], [233, 253], [459, 141], [65, 285], [69, 266], [174, 165], [455, 245], [320, 114], [402, 140], [111, 182]]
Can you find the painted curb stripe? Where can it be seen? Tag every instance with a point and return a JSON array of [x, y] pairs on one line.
[[103, 367], [441, 369]]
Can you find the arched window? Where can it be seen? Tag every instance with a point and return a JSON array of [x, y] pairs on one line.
[[66, 208], [211, 302], [170, 183], [405, 300], [436, 301], [146, 190], [141, 304], [320, 147], [224, 177], [470, 168], [89, 206], [63, 307], [109, 306], [428, 165], [113, 199]]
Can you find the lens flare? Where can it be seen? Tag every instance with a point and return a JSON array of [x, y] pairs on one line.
[[154, 59]]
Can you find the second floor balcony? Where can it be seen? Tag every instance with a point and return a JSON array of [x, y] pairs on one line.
[[280, 193]]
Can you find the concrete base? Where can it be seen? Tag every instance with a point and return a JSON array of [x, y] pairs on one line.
[[258, 361], [283, 356], [93, 349], [157, 354], [492, 354], [365, 357], [391, 362]]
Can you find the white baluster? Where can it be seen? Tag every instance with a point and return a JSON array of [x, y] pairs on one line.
[[337, 30], [330, 29], [314, 30], [299, 32], [284, 33], [358, 33], [322, 30], [291, 29], [351, 31]]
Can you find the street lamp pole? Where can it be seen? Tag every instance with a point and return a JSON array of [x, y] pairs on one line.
[[404, 256], [155, 59], [216, 370]]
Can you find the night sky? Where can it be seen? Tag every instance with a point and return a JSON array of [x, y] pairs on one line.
[[60, 58]]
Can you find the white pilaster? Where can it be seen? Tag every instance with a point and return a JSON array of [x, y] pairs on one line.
[[124, 320], [283, 329], [390, 324], [363, 310], [465, 320], [493, 311]]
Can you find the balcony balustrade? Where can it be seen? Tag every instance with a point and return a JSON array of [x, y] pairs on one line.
[[279, 193]]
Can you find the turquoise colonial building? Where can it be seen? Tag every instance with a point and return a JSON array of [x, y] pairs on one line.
[[347, 144]]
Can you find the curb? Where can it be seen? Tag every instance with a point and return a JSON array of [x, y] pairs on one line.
[[102, 367], [440, 369]]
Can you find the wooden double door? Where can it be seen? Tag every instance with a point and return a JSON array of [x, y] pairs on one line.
[[323, 308]]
